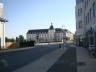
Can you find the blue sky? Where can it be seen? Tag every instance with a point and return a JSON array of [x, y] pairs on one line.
[[38, 14]]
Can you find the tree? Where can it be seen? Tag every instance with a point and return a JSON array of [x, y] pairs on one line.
[[17, 39], [12, 40], [6, 39], [9, 39], [21, 38]]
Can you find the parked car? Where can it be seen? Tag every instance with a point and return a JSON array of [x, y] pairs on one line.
[[92, 50]]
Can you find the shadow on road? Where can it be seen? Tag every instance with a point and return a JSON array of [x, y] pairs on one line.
[[66, 63]]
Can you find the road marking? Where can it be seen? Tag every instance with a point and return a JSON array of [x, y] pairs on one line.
[[17, 49]]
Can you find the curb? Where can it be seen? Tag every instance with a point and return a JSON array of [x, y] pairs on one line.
[[16, 49]]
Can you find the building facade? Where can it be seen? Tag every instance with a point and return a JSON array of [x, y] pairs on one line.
[[85, 11], [48, 35]]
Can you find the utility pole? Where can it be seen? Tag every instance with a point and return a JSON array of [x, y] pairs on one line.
[[2, 27], [63, 33], [2, 20]]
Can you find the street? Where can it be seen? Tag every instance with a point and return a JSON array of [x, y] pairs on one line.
[[17, 59], [48, 58]]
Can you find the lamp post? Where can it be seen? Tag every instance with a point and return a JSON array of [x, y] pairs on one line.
[[2, 20], [37, 37], [63, 34]]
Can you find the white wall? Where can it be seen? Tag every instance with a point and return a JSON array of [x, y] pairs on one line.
[[51, 36]]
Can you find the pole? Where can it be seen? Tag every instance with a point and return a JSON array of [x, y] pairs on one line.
[[2, 20], [3, 36]]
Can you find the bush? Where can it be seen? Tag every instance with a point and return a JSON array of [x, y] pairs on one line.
[[27, 44]]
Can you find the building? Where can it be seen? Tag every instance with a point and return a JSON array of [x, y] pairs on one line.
[[49, 35], [85, 11], [69, 35]]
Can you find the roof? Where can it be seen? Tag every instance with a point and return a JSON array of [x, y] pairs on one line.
[[37, 31], [51, 27], [61, 30], [57, 30]]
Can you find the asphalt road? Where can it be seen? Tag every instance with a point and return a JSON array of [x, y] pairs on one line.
[[13, 60]]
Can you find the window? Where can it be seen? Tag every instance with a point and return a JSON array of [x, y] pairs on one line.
[[94, 9], [79, 1], [88, 17], [85, 19], [80, 24], [90, 13], [85, 4], [80, 12], [76, 26]]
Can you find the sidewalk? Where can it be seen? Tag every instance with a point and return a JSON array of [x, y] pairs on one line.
[[44, 63], [84, 61]]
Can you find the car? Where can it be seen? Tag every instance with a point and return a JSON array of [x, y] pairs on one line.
[[92, 50], [91, 47]]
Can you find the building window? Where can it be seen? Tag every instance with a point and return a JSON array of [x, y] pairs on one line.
[[85, 4], [76, 26], [90, 13], [79, 1], [80, 12], [80, 24], [94, 9], [88, 17], [85, 19]]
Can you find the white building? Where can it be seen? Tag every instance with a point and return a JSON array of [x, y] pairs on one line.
[[86, 22], [48, 35]]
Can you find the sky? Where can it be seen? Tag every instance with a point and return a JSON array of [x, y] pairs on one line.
[[24, 15]]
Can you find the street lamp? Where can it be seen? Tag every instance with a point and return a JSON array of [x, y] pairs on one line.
[[63, 34], [37, 37], [2, 20]]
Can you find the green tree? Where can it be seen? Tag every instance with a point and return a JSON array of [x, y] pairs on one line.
[[6, 39], [21, 38], [17, 39], [9, 39]]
